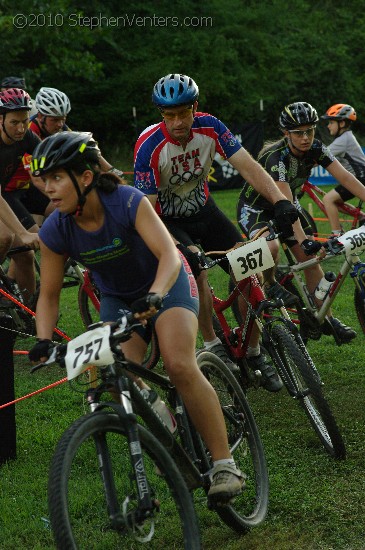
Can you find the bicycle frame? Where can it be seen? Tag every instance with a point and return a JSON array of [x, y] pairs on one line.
[[256, 303], [315, 193], [351, 262]]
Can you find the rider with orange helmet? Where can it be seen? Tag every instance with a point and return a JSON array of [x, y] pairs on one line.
[[348, 152]]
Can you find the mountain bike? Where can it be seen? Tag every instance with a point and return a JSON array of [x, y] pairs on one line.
[[355, 215], [15, 315], [280, 338], [310, 316], [18, 317], [108, 476]]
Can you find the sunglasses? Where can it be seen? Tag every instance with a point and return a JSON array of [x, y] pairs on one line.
[[183, 113], [301, 133]]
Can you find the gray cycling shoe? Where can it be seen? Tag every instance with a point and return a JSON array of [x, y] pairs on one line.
[[219, 351], [227, 482]]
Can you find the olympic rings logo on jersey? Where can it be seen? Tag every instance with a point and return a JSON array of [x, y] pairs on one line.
[[185, 177]]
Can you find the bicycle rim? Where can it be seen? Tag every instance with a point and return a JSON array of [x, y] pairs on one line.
[[248, 509], [304, 385], [76, 491]]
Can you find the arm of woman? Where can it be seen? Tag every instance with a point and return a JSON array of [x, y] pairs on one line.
[[297, 226], [52, 272], [256, 175], [159, 241]]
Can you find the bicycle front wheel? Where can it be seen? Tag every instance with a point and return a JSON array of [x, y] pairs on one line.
[[303, 384], [92, 491], [250, 508], [360, 308]]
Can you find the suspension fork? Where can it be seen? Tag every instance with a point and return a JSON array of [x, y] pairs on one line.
[[129, 420]]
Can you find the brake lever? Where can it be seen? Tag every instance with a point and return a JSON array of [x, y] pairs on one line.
[[51, 359], [273, 234], [333, 246]]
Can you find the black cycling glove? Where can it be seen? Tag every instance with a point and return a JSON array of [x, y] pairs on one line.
[[152, 299], [311, 247], [42, 348], [192, 258], [285, 214]]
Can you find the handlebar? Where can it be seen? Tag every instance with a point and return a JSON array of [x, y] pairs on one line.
[[18, 249], [273, 234], [120, 331]]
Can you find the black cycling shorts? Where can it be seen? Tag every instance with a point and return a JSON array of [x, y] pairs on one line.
[[210, 228], [252, 219], [25, 202]]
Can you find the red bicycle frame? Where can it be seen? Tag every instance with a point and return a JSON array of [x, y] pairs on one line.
[[238, 346], [354, 212]]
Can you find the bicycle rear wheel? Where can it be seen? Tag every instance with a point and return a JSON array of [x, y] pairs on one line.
[[91, 469], [303, 384], [250, 508], [88, 311]]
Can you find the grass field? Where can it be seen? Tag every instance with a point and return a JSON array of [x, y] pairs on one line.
[[316, 503]]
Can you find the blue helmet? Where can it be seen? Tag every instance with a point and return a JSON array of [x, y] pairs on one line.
[[175, 89]]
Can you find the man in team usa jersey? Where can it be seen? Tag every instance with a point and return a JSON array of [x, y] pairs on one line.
[[172, 163]]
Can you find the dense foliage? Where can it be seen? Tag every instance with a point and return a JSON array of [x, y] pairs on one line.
[[107, 56]]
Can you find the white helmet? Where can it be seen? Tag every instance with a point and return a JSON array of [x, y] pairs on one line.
[[52, 102]]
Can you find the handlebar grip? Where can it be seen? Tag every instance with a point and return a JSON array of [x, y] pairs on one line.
[[18, 250]]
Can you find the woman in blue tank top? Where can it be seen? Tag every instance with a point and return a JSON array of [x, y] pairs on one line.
[[114, 231]]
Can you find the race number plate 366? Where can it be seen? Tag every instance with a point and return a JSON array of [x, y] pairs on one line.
[[354, 240], [250, 258]]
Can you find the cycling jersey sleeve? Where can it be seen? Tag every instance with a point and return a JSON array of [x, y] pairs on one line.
[[146, 158]]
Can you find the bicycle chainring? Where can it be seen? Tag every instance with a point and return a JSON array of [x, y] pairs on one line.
[[310, 327]]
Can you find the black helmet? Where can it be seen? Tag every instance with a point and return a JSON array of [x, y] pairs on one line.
[[13, 82], [63, 150], [14, 99], [173, 90], [297, 114]]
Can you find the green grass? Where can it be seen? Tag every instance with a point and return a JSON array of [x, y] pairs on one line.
[[316, 503]]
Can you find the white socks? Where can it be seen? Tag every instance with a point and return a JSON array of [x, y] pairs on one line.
[[209, 345]]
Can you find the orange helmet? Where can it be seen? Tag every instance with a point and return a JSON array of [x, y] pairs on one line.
[[340, 111]]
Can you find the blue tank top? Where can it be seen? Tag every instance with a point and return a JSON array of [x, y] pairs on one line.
[[121, 263]]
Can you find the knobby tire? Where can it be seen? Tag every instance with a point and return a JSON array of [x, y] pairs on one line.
[[250, 508], [76, 490], [303, 383]]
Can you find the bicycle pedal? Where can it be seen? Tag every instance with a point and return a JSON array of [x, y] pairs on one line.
[[220, 502]]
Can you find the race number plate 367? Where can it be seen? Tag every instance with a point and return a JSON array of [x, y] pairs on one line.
[[250, 259]]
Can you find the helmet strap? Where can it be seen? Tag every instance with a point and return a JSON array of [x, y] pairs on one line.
[[81, 196], [341, 129], [294, 146], [43, 126], [4, 129]]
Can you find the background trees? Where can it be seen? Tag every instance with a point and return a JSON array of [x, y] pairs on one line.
[[239, 53]]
